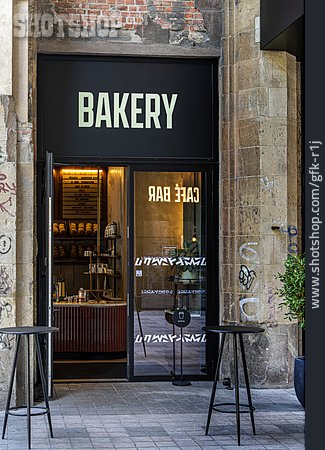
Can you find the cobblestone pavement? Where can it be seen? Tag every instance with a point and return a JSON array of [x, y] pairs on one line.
[[158, 415]]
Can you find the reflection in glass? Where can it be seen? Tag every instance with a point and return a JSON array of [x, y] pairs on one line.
[[169, 271]]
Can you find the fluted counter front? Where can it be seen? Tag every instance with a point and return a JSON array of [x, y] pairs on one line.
[[90, 327]]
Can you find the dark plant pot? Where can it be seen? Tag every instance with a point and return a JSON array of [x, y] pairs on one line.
[[299, 379]]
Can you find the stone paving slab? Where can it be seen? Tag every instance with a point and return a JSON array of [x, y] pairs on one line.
[[158, 415]]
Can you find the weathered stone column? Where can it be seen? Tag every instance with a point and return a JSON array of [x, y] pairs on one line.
[[8, 195], [16, 200], [260, 188]]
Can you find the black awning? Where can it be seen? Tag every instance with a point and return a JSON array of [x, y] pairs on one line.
[[282, 26]]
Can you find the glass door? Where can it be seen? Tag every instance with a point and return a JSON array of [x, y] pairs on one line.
[[49, 265], [169, 272]]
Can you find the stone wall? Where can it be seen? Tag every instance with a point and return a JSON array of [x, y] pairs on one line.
[[260, 188], [16, 235], [8, 205], [17, 254], [259, 125]]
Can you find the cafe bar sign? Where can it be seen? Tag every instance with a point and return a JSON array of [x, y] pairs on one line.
[[178, 194], [123, 107]]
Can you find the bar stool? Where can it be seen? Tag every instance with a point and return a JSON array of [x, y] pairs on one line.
[[14, 411], [235, 330]]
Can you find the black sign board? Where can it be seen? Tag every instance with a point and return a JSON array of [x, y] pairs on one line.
[[181, 318], [79, 195], [126, 108]]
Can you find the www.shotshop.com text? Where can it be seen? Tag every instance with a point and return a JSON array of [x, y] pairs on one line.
[[315, 178]]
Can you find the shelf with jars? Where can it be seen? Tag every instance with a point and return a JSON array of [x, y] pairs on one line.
[[98, 268]]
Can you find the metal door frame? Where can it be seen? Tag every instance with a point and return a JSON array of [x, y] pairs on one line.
[[212, 236], [211, 233], [45, 260]]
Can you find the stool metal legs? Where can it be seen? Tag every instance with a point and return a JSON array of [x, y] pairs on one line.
[[247, 382], [11, 383], [236, 382], [44, 388], [29, 413], [236, 386], [28, 390], [214, 387]]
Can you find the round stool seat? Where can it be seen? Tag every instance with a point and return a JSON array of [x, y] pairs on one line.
[[28, 330], [233, 329]]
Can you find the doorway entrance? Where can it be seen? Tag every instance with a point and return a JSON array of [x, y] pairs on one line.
[[126, 248], [170, 262], [89, 272]]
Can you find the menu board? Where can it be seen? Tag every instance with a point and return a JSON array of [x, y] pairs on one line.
[[80, 193]]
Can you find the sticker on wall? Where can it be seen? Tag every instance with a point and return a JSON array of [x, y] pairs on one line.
[[174, 261]]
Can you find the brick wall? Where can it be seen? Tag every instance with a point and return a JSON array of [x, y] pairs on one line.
[[177, 21], [168, 13]]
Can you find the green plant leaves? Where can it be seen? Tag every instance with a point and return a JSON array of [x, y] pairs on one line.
[[293, 288]]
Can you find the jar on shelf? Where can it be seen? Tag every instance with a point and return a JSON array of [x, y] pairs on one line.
[[81, 295], [111, 230]]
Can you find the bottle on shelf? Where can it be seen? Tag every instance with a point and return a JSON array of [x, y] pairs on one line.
[[81, 295], [56, 297], [111, 230], [61, 286]]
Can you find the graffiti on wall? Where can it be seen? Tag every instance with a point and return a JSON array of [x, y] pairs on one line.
[[5, 310], [2, 155], [248, 252], [248, 280], [249, 300], [292, 233], [8, 191], [4, 281], [246, 276], [271, 300], [266, 184], [5, 244], [6, 342]]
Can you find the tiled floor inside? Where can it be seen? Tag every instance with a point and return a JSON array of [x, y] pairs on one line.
[[159, 347], [158, 415]]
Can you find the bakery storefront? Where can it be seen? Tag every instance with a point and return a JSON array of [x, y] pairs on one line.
[[127, 215]]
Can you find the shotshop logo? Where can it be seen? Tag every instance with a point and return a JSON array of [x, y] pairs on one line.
[[315, 179], [127, 110]]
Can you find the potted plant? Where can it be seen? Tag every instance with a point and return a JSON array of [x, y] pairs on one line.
[[293, 294]]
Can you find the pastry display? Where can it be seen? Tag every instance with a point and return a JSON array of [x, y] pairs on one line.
[[81, 229], [73, 228], [89, 229], [62, 229], [55, 229]]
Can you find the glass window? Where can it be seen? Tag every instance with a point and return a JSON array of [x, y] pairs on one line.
[[169, 271]]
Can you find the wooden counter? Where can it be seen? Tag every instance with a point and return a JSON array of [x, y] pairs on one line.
[[90, 327]]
